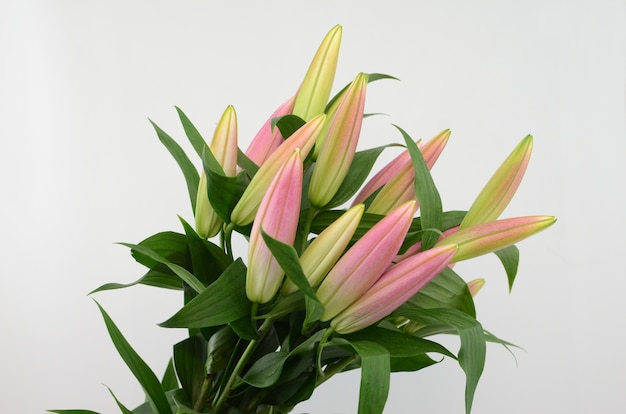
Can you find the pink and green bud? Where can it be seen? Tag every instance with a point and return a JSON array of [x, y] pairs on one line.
[[339, 145], [266, 141], [400, 166], [495, 235], [304, 139], [315, 89], [278, 216], [323, 252], [224, 148], [394, 287], [475, 286], [500, 189], [417, 247], [361, 266]]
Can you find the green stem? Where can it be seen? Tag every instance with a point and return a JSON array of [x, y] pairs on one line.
[[306, 228], [320, 347], [242, 363], [204, 391]]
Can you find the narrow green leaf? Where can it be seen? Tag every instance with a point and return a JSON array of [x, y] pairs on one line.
[[509, 256], [72, 411], [473, 343], [287, 124], [266, 370], [169, 381], [208, 260], [144, 375], [189, 359], [197, 142], [224, 192], [357, 174], [222, 302], [246, 163], [375, 376], [397, 343], [447, 290], [169, 244], [121, 406], [427, 194], [371, 78], [411, 363], [189, 171], [152, 278], [145, 408], [179, 271], [287, 258]]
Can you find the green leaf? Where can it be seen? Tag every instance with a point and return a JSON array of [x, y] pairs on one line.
[[179, 271], [189, 170], [411, 363], [266, 370], [427, 194], [220, 349], [371, 78], [375, 376], [189, 359], [357, 174], [246, 164], [169, 381], [287, 258], [197, 142], [72, 411], [144, 375], [397, 343], [222, 302], [224, 192], [168, 244], [447, 290], [182, 404], [208, 260], [145, 408], [509, 256], [473, 344], [121, 406], [287, 124]]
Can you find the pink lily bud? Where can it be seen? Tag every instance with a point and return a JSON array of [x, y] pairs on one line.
[[430, 151], [323, 252], [475, 286], [315, 89], [339, 145], [495, 235], [278, 216], [224, 148], [365, 261], [266, 140], [303, 138], [394, 287], [500, 189]]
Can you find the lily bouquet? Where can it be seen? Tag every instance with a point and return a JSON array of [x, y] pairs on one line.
[[339, 273]]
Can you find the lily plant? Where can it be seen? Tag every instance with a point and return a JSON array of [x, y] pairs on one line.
[[338, 272]]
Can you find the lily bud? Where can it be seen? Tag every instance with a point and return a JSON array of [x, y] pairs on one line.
[[266, 141], [320, 256], [365, 261], [303, 138], [278, 216], [394, 287], [495, 235], [475, 286], [224, 148], [339, 144], [401, 165], [318, 81], [500, 189]]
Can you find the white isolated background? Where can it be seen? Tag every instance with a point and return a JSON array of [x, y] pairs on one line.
[[81, 168]]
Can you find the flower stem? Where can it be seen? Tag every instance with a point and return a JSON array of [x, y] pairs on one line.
[[241, 364], [204, 391]]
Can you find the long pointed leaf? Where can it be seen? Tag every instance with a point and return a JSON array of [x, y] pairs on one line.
[[189, 170], [509, 256], [427, 194], [197, 142], [145, 376], [375, 376], [121, 406], [222, 302]]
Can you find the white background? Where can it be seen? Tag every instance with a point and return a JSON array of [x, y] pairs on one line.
[[81, 168]]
